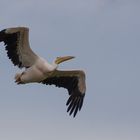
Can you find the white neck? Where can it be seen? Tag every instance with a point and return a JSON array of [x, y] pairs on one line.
[[54, 65], [47, 66]]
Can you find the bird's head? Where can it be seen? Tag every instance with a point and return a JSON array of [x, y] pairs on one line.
[[62, 59]]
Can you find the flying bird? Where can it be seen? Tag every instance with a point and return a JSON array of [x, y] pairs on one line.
[[37, 69]]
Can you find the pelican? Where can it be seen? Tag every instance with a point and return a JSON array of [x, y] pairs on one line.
[[37, 69]]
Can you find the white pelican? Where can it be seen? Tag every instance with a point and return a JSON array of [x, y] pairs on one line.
[[37, 69]]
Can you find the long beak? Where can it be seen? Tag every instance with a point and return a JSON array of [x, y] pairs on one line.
[[62, 59]]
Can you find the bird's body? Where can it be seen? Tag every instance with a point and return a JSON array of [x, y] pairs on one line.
[[36, 73], [39, 70]]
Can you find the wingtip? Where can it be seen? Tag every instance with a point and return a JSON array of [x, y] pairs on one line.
[[74, 105], [2, 35]]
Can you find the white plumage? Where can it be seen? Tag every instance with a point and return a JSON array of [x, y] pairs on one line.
[[39, 70]]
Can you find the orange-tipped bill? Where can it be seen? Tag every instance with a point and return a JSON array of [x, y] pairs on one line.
[[62, 59]]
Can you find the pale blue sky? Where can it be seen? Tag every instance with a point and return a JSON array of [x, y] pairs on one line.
[[104, 35]]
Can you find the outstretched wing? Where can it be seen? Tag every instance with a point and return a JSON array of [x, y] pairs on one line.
[[16, 41], [74, 82]]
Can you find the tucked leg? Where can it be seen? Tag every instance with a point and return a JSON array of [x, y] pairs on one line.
[[18, 78]]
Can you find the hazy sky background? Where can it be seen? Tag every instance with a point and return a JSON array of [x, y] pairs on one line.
[[104, 35]]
